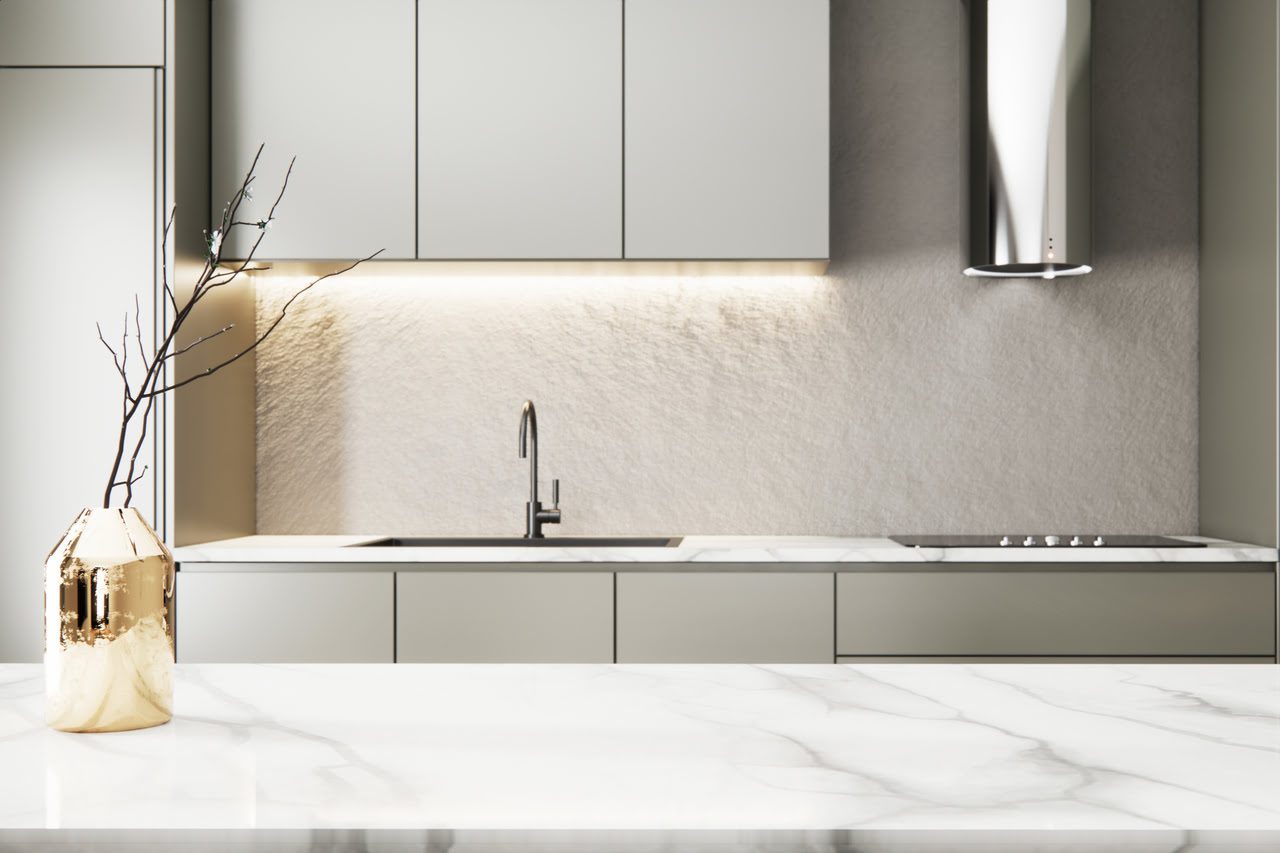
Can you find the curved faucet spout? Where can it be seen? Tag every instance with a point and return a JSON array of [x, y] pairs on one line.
[[535, 515], [529, 445], [528, 415]]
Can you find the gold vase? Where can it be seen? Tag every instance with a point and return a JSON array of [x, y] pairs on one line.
[[108, 625]]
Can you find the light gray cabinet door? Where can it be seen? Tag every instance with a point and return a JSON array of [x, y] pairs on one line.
[[78, 226], [726, 128], [331, 81], [82, 32], [721, 617], [504, 617], [285, 617], [1058, 613], [520, 129]]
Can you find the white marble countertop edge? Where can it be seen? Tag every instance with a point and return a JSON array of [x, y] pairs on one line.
[[702, 549]]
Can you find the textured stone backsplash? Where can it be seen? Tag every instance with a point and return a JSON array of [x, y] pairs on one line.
[[892, 395]]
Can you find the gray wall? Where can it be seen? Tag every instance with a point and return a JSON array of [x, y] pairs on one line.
[[1238, 270], [892, 395]]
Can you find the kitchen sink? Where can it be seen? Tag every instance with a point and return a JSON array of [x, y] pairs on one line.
[[521, 542]]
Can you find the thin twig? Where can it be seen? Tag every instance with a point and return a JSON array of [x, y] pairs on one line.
[[124, 346], [137, 448], [164, 260], [253, 250], [137, 325], [278, 320], [201, 340], [209, 278], [114, 358], [129, 406], [140, 475]]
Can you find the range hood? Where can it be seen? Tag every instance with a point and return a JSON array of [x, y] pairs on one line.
[[1029, 138]]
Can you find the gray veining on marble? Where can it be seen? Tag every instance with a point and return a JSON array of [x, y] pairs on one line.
[[1100, 753]]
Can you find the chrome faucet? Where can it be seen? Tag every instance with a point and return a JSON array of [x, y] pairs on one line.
[[535, 515]]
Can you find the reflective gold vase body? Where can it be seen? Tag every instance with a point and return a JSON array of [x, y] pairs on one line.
[[108, 625]]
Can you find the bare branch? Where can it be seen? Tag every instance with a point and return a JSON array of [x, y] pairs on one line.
[[153, 372], [278, 320], [201, 340], [241, 194], [130, 479], [230, 211], [124, 347], [126, 483], [137, 325], [210, 277], [114, 357], [164, 260], [210, 284]]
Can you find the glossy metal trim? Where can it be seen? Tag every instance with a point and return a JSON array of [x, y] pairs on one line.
[[1030, 139]]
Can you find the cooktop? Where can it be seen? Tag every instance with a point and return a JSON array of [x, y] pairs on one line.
[[1065, 540]]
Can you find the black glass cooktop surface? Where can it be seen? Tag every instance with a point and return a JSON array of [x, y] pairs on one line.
[[1039, 540]]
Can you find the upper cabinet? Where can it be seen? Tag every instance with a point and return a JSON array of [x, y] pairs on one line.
[[727, 128], [544, 129], [520, 129], [67, 33], [331, 81]]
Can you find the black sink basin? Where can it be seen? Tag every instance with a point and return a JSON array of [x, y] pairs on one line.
[[521, 542]]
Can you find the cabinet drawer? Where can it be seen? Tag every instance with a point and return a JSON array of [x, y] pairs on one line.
[[285, 617], [504, 617], [1068, 613], [721, 617]]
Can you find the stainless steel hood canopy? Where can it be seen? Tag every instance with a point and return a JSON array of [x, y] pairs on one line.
[[1029, 138]]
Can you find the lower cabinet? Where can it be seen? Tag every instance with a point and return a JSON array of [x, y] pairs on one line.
[[329, 613], [963, 612], [504, 617], [285, 617], [725, 617]]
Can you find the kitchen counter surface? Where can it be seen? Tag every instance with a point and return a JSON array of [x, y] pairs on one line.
[[801, 757], [703, 549]]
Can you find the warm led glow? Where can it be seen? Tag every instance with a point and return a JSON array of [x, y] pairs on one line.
[[530, 291], [557, 269]]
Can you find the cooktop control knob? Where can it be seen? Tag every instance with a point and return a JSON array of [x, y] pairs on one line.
[[1005, 541], [1029, 542], [1076, 541], [1099, 542], [1051, 541]]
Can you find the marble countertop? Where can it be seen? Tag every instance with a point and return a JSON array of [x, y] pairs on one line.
[[703, 549], [863, 750]]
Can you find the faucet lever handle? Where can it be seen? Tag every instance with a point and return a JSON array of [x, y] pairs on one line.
[[555, 493]]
